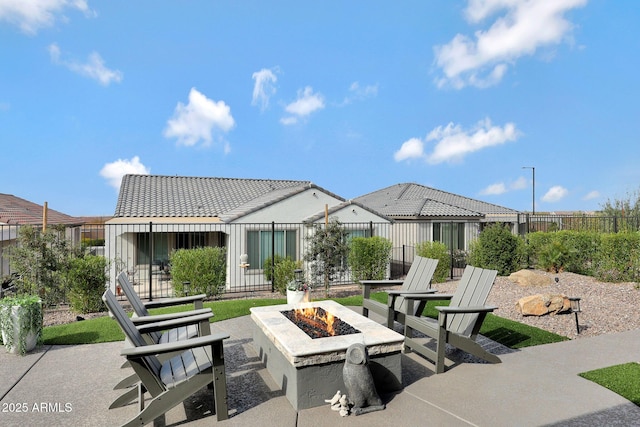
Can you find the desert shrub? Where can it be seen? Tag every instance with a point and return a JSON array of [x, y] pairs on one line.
[[498, 249], [555, 256], [205, 268], [369, 257], [284, 272], [86, 281], [439, 251], [619, 258], [573, 251]]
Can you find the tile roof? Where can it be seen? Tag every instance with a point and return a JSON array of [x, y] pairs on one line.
[[415, 201], [199, 197], [14, 210]]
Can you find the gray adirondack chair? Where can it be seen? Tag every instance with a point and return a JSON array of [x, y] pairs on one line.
[[171, 382], [142, 315], [418, 280], [458, 324]]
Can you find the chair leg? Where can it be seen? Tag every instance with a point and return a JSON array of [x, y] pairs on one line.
[[219, 382], [441, 346]]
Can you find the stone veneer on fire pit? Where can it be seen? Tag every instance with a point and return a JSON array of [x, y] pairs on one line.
[[310, 370]]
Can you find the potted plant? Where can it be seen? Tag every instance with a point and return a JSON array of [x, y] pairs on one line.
[[297, 292], [21, 323]]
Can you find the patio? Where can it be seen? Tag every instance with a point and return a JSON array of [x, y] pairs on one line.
[[72, 385]]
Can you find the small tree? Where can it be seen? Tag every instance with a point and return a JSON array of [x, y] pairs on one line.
[[327, 253], [204, 268], [369, 257], [41, 260]]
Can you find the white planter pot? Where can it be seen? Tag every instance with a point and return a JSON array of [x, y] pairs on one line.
[[31, 338], [297, 297]]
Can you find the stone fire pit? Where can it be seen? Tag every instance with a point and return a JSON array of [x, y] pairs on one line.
[[310, 370]]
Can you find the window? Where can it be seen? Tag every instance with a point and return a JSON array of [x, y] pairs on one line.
[[160, 247], [449, 233], [260, 244]]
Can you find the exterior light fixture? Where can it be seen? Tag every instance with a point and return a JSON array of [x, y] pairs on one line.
[[575, 309]]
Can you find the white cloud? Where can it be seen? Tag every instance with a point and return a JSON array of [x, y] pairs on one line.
[[306, 103], [591, 195], [113, 172], [494, 189], [197, 120], [94, 68], [32, 15], [501, 187], [555, 194], [453, 142], [519, 184], [264, 87], [411, 149], [524, 27], [358, 92]]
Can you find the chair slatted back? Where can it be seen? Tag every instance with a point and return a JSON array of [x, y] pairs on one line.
[[473, 290], [132, 296], [131, 332], [418, 279], [136, 303]]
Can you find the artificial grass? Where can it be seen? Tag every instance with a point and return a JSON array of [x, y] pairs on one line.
[[621, 379], [104, 329], [505, 331]]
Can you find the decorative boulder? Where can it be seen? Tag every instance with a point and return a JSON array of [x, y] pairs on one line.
[[539, 305], [531, 278]]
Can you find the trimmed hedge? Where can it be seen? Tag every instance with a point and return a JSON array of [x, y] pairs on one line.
[[439, 251]]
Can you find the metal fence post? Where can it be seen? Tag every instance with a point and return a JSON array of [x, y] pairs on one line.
[[151, 250]]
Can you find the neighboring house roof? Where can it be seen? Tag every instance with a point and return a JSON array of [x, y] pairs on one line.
[[339, 207], [200, 197], [14, 210], [412, 201]]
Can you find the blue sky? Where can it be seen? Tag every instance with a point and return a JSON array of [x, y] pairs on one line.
[[354, 96]]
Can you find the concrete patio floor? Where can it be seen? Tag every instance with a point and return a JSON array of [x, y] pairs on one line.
[[536, 386]]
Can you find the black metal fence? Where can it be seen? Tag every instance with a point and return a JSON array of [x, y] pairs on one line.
[[593, 223], [143, 249]]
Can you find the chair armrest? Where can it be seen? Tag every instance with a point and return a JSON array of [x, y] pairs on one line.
[[168, 302], [374, 283], [400, 292], [154, 318], [425, 296], [148, 350], [174, 323], [470, 309]]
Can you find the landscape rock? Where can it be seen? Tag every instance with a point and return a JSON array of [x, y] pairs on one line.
[[531, 278], [542, 304]]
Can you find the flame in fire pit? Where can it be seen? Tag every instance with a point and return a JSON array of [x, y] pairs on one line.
[[320, 319], [318, 323]]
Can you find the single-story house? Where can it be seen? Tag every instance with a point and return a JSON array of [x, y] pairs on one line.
[[251, 218], [15, 212], [422, 213]]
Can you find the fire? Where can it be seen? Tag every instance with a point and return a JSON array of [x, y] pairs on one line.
[[314, 315]]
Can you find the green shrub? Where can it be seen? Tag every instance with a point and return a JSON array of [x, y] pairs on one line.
[[439, 251], [284, 272], [205, 268], [267, 268], [497, 249], [555, 256], [86, 281], [619, 258], [369, 257]]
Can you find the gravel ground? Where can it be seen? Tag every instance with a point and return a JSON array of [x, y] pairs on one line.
[[606, 307]]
